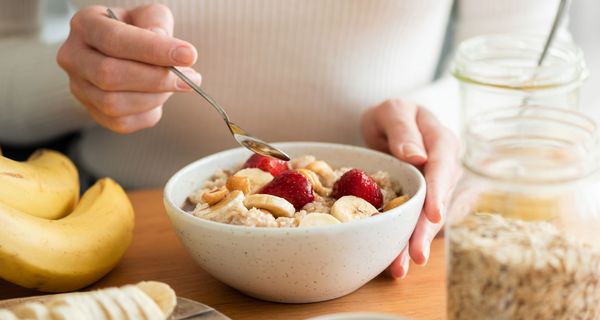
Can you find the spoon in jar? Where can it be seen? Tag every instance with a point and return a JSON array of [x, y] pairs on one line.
[[557, 19], [240, 135]]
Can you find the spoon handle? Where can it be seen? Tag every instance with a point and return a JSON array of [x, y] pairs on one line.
[[201, 92], [187, 80], [555, 24]]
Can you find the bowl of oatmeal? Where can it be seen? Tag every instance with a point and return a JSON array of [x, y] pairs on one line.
[[314, 229]]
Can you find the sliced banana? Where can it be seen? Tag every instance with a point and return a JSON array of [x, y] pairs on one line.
[[317, 219], [148, 307], [125, 303], [279, 207], [348, 208], [7, 315], [108, 305], [396, 202], [257, 178], [64, 312], [161, 294], [84, 302], [324, 170], [146, 300], [315, 181], [31, 310], [301, 162], [233, 201]]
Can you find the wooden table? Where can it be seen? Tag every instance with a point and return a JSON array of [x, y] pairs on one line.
[[157, 254]]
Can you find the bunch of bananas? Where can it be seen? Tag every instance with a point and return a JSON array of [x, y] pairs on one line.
[[51, 240]]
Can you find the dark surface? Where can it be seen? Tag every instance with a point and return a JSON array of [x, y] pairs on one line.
[[21, 153], [63, 144]]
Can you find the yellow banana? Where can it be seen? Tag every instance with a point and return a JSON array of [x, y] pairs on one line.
[[46, 185], [69, 253]]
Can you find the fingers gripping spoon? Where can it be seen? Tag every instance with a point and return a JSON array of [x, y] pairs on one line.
[[240, 135]]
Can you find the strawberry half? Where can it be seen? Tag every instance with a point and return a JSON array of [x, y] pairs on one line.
[[267, 164], [359, 184], [292, 186]]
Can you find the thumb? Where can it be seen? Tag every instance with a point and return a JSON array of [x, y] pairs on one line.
[[404, 138], [155, 17]]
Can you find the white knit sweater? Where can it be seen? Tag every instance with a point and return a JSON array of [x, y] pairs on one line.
[[284, 70]]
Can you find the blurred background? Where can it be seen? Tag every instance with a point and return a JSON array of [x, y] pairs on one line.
[[583, 21], [585, 26]]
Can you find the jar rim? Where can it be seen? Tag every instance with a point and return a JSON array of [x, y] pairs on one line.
[[538, 144], [510, 61]]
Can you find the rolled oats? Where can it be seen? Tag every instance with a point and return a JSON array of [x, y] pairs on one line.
[[512, 269]]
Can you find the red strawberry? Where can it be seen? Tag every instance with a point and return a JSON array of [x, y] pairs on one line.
[[292, 186], [359, 184], [268, 164]]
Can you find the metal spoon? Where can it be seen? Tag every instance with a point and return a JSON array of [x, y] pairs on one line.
[[241, 136], [557, 19]]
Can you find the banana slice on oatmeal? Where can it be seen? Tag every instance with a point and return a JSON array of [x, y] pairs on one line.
[[256, 178], [348, 208], [318, 219], [315, 181], [302, 162], [278, 207], [324, 170]]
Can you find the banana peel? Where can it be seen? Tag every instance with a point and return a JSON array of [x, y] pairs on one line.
[[69, 253], [45, 186]]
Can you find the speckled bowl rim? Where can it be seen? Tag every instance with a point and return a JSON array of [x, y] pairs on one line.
[[283, 145]]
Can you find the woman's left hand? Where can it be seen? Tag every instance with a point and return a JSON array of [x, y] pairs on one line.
[[413, 134]]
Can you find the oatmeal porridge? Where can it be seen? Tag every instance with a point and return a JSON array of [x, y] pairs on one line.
[[267, 192]]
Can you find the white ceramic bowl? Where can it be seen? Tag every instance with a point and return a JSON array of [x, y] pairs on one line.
[[297, 265]]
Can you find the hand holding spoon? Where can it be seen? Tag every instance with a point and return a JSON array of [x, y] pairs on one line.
[[240, 135]]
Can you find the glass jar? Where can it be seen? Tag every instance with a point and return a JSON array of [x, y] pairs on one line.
[[523, 229], [501, 71]]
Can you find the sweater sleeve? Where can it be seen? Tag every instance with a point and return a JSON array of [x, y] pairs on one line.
[[480, 17], [35, 102]]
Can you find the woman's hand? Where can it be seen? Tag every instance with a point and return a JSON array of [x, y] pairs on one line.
[[117, 69], [413, 134]]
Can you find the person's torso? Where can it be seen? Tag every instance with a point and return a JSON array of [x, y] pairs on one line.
[[284, 70]]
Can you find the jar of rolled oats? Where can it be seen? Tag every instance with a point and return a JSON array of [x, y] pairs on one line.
[[501, 70], [523, 230]]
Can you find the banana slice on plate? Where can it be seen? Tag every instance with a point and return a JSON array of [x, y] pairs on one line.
[[161, 294], [81, 302], [279, 207], [108, 305], [67, 313], [317, 219], [348, 208], [31, 310], [234, 201], [149, 308], [7, 315], [124, 301], [256, 177]]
